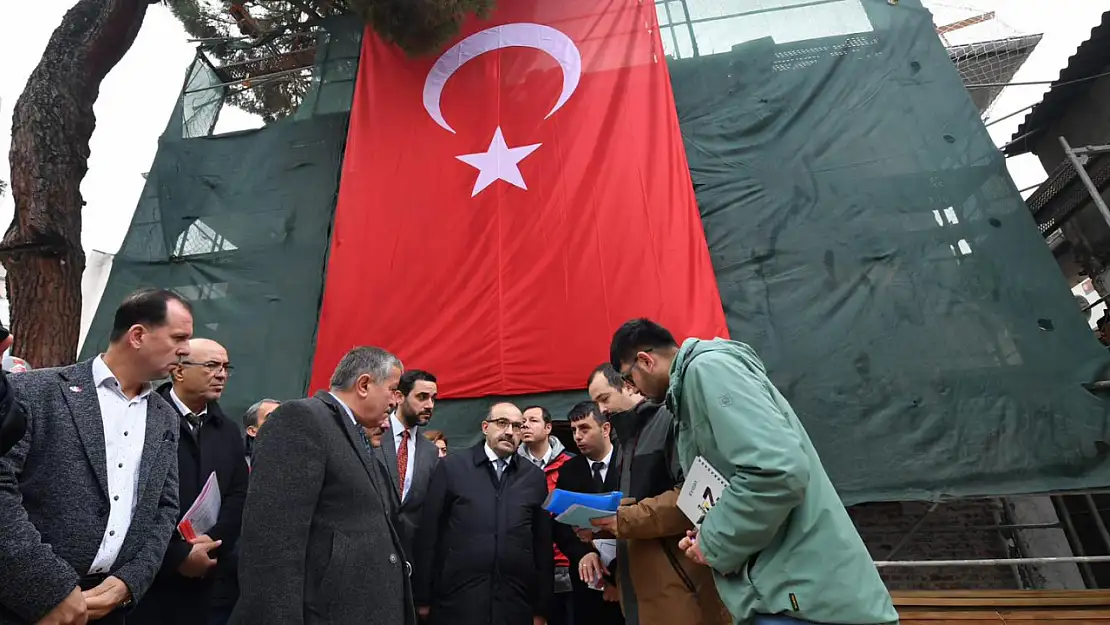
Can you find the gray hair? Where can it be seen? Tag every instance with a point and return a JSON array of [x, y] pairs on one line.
[[372, 361], [250, 417]]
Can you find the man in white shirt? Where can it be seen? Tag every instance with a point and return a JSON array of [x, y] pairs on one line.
[[88, 498], [411, 458]]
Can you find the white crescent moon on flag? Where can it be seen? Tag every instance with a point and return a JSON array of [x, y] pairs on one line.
[[520, 35]]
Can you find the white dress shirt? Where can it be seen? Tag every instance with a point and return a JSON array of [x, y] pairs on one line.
[[604, 465], [494, 458], [398, 430], [185, 410], [124, 433]]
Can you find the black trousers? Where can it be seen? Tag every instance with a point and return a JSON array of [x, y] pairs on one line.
[[562, 609]]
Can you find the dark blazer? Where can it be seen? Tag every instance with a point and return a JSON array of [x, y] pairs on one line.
[[590, 608], [483, 545], [318, 545], [217, 446], [54, 494], [411, 508]]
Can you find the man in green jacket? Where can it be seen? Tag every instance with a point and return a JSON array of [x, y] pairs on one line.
[[779, 541]]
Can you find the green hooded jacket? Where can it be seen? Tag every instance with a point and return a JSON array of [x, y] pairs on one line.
[[778, 538]]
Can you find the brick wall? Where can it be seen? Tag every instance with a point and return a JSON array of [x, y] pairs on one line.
[[954, 531]]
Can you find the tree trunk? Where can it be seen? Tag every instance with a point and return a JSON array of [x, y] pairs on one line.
[[51, 128]]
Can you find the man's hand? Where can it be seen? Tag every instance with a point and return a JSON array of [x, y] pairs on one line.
[[71, 611], [590, 569], [198, 563], [689, 546], [539, 620], [607, 525], [109, 595], [610, 593], [423, 611]]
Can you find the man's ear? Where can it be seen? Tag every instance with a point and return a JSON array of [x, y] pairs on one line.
[[177, 372], [252, 431]]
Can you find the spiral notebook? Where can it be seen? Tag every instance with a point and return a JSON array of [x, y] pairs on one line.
[[701, 490]]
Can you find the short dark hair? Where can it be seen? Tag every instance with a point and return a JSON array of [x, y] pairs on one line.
[[637, 335], [148, 307], [584, 410], [411, 377], [612, 376], [543, 411]]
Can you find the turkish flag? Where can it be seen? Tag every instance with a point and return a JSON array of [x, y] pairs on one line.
[[506, 204]]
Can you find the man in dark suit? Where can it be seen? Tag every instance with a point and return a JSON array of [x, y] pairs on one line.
[[318, 545], [484, 542], [208, 442], [408, 456], [595, 470], [88, 498]]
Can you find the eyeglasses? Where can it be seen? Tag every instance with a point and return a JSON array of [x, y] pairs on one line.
[[212, 367], [626, 376], [506, 423]]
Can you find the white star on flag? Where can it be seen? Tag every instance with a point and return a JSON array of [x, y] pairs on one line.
[[499, 162]]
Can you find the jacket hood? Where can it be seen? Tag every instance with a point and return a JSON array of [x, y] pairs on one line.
[[557, 449], [692, 348]]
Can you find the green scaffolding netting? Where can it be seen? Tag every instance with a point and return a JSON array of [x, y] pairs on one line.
[[869, 243], [866, 238], [239, 224]]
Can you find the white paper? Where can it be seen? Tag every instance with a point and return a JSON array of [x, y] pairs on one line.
[[701, 490], [607, 549], [202, 515]]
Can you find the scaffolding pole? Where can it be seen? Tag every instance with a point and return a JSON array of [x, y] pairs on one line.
[[992, 561], [1080, 170]]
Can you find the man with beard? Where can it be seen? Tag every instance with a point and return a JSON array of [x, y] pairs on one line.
[[657, 585], [778, 539], [208, 442], [484, 542], [409, 457]]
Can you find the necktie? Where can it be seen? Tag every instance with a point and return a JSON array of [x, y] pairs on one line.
[[599, 481], [195, 420], [402, 461], [499, 466], [365, 441]]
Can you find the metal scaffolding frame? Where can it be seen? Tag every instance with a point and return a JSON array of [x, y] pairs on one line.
[[1066, 524]]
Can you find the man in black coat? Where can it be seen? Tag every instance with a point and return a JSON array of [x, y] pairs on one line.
[[484, 543], [208, 442], [595, 470], [318, 544]]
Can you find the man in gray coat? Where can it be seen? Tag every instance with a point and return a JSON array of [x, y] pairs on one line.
[[88, 498], [318, 544]]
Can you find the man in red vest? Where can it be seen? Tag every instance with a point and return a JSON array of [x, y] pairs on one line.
[[545, 451]]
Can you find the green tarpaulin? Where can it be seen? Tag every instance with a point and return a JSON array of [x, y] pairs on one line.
[[866, 238]]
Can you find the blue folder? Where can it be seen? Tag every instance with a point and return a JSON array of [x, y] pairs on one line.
[[559, 500]]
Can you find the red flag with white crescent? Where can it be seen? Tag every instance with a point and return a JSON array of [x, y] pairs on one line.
[[507, 203]]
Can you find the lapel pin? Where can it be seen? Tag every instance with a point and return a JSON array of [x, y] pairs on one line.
[[75, 389]]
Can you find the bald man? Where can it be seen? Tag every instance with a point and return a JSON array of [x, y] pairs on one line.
[[209, 442], [483, 546]]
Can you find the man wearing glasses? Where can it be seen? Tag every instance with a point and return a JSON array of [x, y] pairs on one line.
[[778, 539], [208, 442], [483, 548]]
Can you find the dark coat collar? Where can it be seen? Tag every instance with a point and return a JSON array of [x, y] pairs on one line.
[[215, 413]]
